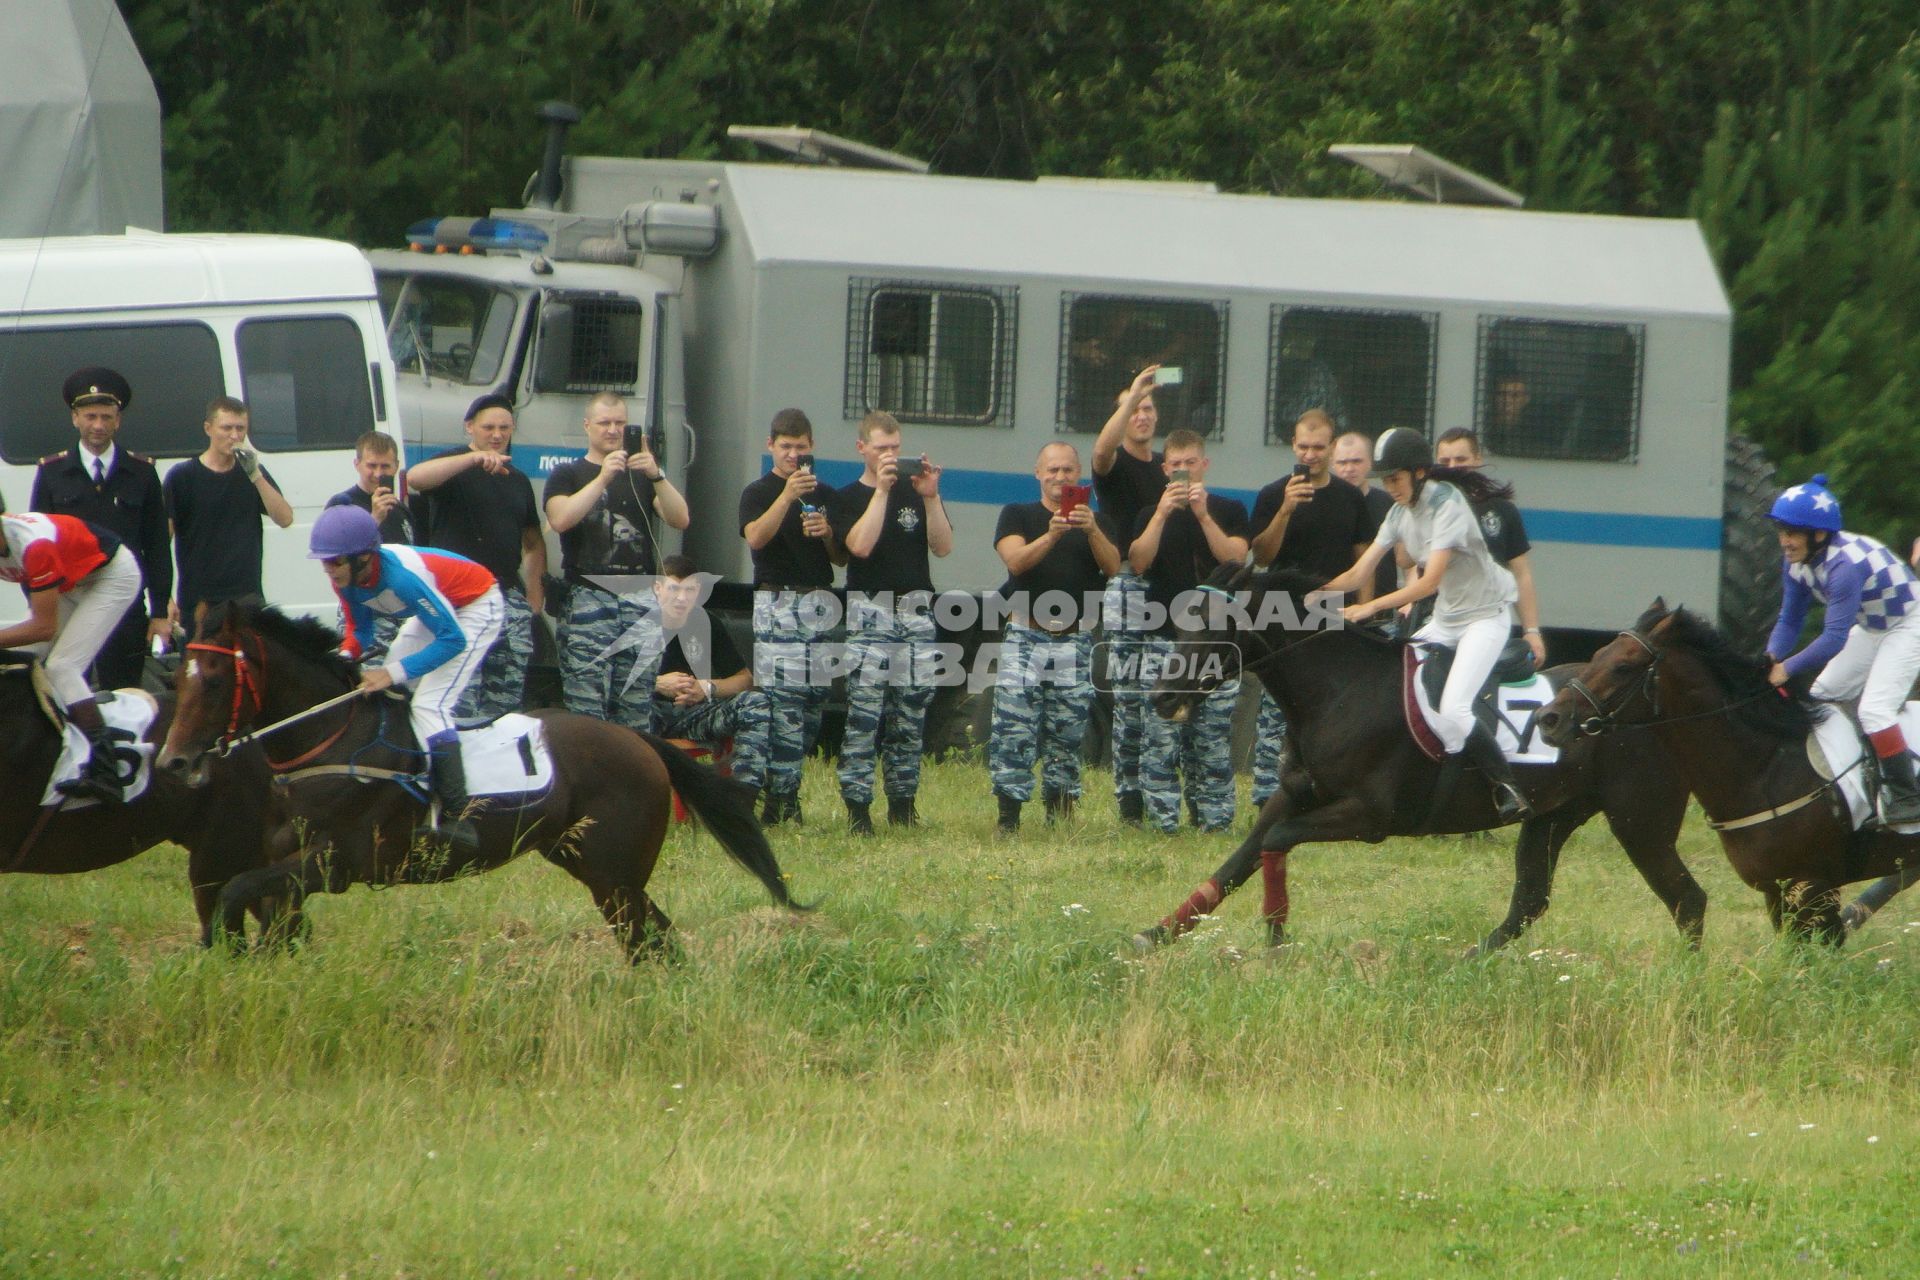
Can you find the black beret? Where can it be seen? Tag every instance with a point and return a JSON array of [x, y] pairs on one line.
[[96, 385], [491, 400]]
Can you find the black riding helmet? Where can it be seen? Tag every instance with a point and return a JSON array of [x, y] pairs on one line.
[[1403, 449]]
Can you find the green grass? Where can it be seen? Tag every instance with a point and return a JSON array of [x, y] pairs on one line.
[[957, 1067]]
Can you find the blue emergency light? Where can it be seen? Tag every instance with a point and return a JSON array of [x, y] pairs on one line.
[[467, 234]]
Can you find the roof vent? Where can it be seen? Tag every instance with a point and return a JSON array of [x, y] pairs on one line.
[[1415, 169], [811, 146]]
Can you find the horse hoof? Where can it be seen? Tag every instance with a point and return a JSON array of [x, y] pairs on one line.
[[1852, 917], [1148, 939]]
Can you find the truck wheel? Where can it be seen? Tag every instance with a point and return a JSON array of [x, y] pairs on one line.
[[1749, 552]]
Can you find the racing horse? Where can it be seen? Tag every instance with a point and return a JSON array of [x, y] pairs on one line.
[[602, 820], [1740, 743], [219, 824], [1352, 770]]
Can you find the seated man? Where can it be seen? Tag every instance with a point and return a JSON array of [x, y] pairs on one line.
[[691, 699]]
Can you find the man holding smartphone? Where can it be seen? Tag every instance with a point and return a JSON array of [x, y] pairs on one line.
[[602, 506], [376, 466], [1314, 523], [1059, 555], [783, 518], [889, 520]]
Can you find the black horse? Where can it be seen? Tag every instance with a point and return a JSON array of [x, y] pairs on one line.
[[219, 825], [602, 821], [1352, 770]]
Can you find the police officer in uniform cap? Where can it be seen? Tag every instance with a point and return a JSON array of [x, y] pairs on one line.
[[100, 482]]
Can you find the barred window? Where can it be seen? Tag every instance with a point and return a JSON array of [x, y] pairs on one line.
[[1106, 339], [1559, 388], [1367, 370], [931, 352], [589, 342]]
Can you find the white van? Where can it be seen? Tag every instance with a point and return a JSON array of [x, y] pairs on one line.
[[288, 324]]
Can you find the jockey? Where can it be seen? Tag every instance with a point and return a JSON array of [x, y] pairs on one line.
[[1869, 644], [79, 582], [453, 609], [1433, 525]]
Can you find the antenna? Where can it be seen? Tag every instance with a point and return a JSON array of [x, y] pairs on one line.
[[1418, 170]]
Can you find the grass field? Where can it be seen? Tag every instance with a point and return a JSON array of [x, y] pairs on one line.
[[957, 1067]]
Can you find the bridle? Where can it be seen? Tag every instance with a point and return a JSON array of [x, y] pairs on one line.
[[247, 685], [1605, 718]]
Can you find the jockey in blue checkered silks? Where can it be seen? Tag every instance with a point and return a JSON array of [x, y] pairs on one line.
[[1869, 644]]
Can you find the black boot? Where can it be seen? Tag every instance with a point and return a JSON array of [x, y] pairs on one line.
[[779, 808], [101, 778], [901, 812], [1899, 790], [450, 785], [1485, 753], [1059, 806], [859, 820], [1009, 815], [1133, 808]]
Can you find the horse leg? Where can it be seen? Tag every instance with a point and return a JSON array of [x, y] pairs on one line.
[[1536, 856], [1815, 908], [1649, 844], [1876, 896]]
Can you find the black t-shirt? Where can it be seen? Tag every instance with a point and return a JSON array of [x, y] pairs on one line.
[[1321, 534], [617, 535], [1129, 487], [791, 559], [693, 652], [396, 530], [1185, 561], [899, 560], [480, 516], [217, 540], [1069, 567], [1500, 523], [1387, 577]]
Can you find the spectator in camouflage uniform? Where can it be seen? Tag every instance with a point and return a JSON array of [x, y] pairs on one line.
[[602, 506], [887, 529], [1176, 546], [471, 501], [691, 699], [1058, 555], [783, 518]]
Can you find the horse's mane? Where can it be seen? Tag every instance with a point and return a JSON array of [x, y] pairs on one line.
[[308, 638], [1741, 675]]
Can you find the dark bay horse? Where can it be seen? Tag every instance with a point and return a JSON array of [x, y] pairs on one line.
[[1740, 744], [602, 822], [219, 825], [1352, 771]]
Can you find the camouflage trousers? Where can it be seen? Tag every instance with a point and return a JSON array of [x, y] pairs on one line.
[[610, 648], [1270, 740], [742, 717], [891, 668], [1041, 701], [502, 683], [790, 667], [1198, 753], [1125, 644]]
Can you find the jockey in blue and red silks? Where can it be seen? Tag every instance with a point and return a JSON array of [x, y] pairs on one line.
[[1869, 643], [453, 609]]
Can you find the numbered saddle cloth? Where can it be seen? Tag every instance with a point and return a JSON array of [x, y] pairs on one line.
[[129, 713], [1510, 707], [1839, 754], [507, 759]]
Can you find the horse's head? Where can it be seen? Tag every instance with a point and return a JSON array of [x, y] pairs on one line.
[[1621, 685], [218, 692]]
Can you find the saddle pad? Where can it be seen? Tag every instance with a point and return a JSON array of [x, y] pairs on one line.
[[1515, 708], [508, 757], [129, 713], [1836, 752]]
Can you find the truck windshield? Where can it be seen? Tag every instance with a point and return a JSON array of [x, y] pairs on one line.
[[445, 327]]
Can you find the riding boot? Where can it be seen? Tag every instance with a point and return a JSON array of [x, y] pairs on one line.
[[1899, 790], [1133, 808], [859, 818], [1485, 753], [1059, 806], [450, 785], [1009, 815], [901, 812], [101, 778]]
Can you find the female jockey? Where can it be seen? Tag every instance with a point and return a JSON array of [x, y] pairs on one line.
[[79, 582], [1432, 524], [453, 609], [1869, 646]]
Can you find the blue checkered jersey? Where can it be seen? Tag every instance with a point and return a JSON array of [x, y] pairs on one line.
[[1859, 580]]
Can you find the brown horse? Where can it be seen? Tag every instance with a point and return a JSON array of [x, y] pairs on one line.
[[1740, 743], [219, 824], [347, 775]]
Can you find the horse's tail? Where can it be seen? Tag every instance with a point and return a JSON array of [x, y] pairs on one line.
[[726, 809]]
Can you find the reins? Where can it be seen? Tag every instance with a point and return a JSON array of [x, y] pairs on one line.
[[248, 685]]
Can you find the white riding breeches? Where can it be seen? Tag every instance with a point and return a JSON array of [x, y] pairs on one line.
[[1878, 667], [88, 615], [437, 693], [1476, 647]]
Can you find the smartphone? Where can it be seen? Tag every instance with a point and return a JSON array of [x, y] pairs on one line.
[[906, 468], [634, 439], [1072, 496], [384, 482], [1178, 477], [803, 463], [1169, 376], [1301, 470]]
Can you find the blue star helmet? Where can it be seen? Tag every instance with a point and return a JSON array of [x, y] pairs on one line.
[[345, 530], [1808, 506]]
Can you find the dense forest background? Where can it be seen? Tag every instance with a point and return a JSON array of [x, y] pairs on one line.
[[1790, 130]]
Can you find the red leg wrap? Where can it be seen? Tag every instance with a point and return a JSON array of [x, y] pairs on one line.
[[1202, 902], [1273, 875]]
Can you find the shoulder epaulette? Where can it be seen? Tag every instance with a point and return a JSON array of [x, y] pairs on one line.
[[140, 457], [55, 457]]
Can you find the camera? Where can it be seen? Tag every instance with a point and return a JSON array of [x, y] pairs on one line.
[[1301, 470], [907, 468], [1179, 477], [1169, 377], [1073, 496], [384, 482], [803, 463], [634, 439]]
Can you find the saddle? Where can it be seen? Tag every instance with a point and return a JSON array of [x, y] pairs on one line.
[[1513, 666]]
